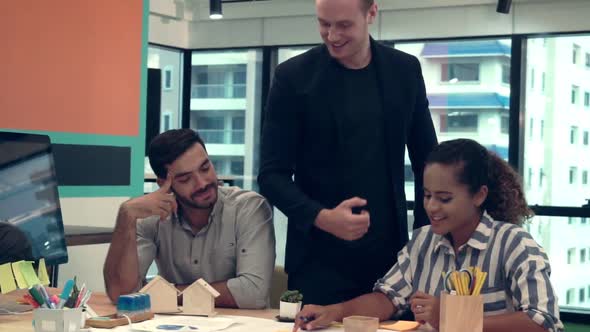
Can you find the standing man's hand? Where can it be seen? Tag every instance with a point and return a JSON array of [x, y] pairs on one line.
[[160, 202], [342, 222], [426, 308]]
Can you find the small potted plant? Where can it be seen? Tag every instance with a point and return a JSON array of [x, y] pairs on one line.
[[290, 304]]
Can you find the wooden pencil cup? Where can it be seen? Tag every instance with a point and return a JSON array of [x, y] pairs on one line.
[[461, 313]]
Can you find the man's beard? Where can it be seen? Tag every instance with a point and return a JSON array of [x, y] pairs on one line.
[[192, 204]]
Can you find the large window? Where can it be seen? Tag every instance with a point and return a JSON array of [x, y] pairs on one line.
[[219, 81], [467, 91], [564, 126], [225, 109], [169, 61], [564, 256], [560, 154]]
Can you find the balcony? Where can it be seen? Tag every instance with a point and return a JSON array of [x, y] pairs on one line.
[[222, 136], [223, 91]]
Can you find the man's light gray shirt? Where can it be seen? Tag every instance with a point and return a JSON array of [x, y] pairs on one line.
[[237, 245]]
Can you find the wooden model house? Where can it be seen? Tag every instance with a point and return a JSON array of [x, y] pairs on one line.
[[199, 299], [163, 295]]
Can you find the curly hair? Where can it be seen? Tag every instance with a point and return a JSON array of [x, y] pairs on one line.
[[478, 167]]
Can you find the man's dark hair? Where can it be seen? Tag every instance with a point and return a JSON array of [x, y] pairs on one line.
[[165, 148]]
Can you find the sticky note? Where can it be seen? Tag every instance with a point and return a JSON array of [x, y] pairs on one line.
[[400, 325], [20, 280], [42, 272], [28, 272], [7, 283]]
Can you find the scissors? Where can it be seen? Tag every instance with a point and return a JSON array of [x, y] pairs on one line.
[[470, 280], [448, 281]]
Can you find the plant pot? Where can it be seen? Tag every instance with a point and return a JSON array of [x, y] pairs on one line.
[[289, 310]]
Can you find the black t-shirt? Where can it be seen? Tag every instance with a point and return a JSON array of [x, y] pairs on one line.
[[367, 174]]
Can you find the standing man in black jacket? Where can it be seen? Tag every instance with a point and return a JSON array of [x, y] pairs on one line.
[[338, 118]]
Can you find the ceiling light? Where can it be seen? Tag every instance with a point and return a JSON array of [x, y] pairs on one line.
[[215, 12], [503, 6]]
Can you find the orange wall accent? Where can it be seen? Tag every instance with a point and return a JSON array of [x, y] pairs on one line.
[[71, 66]]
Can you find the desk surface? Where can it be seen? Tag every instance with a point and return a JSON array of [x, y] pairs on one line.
[[103, 306]]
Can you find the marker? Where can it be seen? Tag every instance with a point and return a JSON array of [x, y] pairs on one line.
[[45, 295], [65, 294], [38, 297]]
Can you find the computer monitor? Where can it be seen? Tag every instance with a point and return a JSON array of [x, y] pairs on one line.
[[28, 194]]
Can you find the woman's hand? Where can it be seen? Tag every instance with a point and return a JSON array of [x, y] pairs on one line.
[[426, 308]]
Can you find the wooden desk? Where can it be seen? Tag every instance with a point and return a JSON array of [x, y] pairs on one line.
[[103, 306]]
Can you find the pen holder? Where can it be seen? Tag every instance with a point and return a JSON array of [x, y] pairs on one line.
[[461, 313], [58, 320]]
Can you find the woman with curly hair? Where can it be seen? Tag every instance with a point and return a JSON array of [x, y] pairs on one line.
[[475, 204]]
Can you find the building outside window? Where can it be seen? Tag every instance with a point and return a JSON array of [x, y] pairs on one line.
[[225, 109], [461, 72], [167, 77], [570, 296], [573, 135], [467, 90], [575, 53], [573, 174], [506, 74], [169, 61], [574, 97], [571, 253]]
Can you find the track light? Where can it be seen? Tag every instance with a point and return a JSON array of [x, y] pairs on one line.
[[215, 12], [503, 6]]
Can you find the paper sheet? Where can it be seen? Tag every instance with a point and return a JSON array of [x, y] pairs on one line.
[[42, 273], [401, 325], [7, 283], [185, 323], [28, 272], [20, 279]]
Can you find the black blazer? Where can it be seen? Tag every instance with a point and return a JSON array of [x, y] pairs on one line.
[[300, 137]]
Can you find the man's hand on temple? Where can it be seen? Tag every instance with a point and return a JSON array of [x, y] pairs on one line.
[[160, 202]]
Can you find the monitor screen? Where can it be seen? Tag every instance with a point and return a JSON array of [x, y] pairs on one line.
[[28, 194]]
